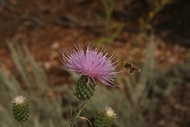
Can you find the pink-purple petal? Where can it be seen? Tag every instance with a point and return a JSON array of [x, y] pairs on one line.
[[93, 63]]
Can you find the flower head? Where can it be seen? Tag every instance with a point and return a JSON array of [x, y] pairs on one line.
[[20, 108], [105, 118], [19, 100], [110, 112], [92, 63]]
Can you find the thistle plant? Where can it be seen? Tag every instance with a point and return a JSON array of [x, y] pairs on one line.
[[91, 65], [105, 118], [20, 109]]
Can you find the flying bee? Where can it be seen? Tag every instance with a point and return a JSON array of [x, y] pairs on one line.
[[132, 67]]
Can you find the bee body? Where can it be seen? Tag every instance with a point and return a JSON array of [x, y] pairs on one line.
[[132, 67]]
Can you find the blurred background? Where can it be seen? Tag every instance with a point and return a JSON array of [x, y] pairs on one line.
[[153, 34]]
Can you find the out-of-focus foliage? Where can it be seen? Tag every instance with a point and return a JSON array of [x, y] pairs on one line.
[[158, 5], [108, 25], [32, 83]]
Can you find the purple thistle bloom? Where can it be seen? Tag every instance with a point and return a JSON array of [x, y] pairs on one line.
[[92, 63]]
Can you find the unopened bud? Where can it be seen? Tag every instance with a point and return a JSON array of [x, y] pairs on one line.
[[20, 109], [105, 118]]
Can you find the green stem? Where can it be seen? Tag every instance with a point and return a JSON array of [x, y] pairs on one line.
[[77, 113]]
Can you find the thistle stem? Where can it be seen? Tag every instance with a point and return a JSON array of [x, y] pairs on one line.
[[80, 104]]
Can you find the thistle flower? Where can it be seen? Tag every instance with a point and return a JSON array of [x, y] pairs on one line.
[[110, 112], [20, 108], [92, 63], [19, 100], [105, 118]]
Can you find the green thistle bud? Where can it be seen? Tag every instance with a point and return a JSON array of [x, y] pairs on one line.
[[67, 125], [20, 109], [84, 91], [105, 118]]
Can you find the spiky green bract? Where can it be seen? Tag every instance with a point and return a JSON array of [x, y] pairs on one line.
[[84, 90], [66, 125], [105, 118], [20, 109]]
